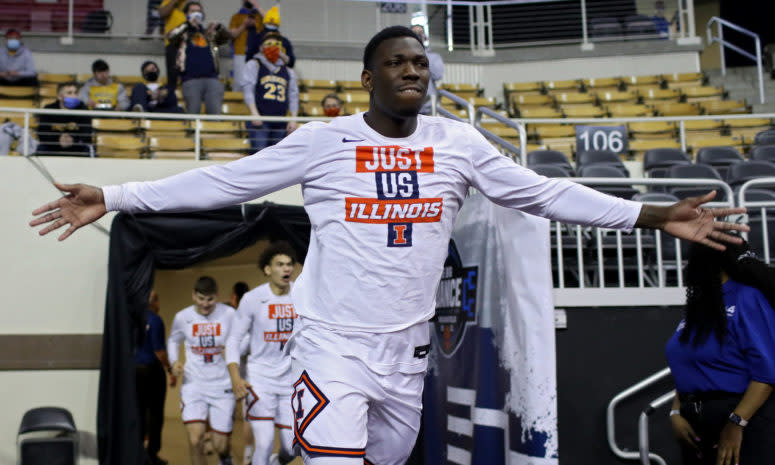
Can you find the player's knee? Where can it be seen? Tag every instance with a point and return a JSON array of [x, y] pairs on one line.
[[196, 439]]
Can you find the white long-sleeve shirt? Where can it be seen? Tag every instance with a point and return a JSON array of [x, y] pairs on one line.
[[381, 209], [268, 320], [204, 338]]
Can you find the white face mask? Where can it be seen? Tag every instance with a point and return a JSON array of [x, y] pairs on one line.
[[153, 86], [196, 16]]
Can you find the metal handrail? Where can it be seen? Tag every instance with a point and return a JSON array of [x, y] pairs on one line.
[[753, 183], [460, 101], [760, 204], [729, 202], [520, 127], [720, 23], [610, 417], [643, 428]]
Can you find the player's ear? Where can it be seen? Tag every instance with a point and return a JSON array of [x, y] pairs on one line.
[[366, 79], [267, 270]]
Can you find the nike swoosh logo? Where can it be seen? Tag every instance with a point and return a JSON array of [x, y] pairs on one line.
[[344, 139]]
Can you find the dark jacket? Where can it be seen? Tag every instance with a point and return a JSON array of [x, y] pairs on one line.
[[168, 102], [51, 128], [181, 35]]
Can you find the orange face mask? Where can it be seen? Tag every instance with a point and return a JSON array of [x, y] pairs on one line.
[[272, 53], [331, 111]]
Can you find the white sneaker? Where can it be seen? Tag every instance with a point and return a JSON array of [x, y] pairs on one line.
[[274, 459]]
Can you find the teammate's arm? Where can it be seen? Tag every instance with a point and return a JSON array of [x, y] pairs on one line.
[[510, 185], [281, 165], [240, 327], [177, 336]]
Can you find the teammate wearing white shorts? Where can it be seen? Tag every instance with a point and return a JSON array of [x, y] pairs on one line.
[[205, 395], [266, 313], [382, 190]]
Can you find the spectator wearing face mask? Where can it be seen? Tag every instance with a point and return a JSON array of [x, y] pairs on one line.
[[249, 18], [171, 12], [269, 88], [436, 65], [332, 105], [17, 67], [151, 96], [271, 24], [197, 60], [63, 133], [100, 92]]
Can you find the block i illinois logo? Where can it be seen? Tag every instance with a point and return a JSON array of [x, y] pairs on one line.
[[398, 203]]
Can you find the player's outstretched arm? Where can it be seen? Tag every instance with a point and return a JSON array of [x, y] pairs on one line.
[[688, 220], [81, 205]]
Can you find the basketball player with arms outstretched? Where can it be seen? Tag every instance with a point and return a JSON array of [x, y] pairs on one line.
[[266, 314], [382, 190]]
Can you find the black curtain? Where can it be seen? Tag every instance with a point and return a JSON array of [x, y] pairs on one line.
[[138, 245], [754, 15]]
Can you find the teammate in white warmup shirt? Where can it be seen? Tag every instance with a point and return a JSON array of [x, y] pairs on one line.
[[266, 314], [382, 190], [205, 395]]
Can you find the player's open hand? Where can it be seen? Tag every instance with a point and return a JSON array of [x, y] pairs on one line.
[[240, 388], [688, 220], [81, 205]]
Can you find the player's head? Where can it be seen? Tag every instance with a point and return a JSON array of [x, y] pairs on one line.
[[395, 72], [239, 289], [101, 71], [277, 262], [205, 295]]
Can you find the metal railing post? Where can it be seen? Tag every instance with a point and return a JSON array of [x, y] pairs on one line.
[[643, 429], [682, 19], [585, 44], [690, 18], [720, 29], [682, 134], [26, 135], [759, 69], [70, 13], [197, 139], [450, 37]]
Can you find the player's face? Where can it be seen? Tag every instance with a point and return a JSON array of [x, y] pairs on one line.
[[279, 271], [204, 303], [399, 78]]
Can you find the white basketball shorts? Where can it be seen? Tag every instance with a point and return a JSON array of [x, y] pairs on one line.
[[200, 404]]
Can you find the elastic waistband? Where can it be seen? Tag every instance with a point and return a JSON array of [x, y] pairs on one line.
[[706, 395]]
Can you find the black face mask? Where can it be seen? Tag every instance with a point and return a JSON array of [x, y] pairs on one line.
[[248, 6], [151, 76]]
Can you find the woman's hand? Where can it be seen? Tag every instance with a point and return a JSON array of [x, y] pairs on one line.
[[685, 433], [729, 445]]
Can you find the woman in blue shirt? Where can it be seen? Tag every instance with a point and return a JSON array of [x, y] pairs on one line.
[[722, 357]]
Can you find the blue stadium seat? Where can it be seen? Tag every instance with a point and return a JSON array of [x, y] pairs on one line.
[[603, 157], [719, 157], [697, 171], [547, 157], [53, 438], [763, 153], [606, 171]]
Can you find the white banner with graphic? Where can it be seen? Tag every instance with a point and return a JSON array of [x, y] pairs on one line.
[[490, 394]]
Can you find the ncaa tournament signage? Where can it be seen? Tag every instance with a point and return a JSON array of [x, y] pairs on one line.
[[490, 393]]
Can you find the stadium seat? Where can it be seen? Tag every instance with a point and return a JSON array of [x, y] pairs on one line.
[[625, 110], [762, 153], [171, 148], [18, 91], [655, 197], [17, 103], [222, 127], [539, 112], [232, 96], [605, 27], [766, 137], [481, 101], [123, 146], [235, 108], [699, 93], [740, 173], [696, 171], [574, 98], [553, 171], [678, 80], [617, 96], [635, 82], [47, 435], [355, 97], [543, 131], [698, 142], [311, 109], [47, 92], [532, 99], [652, 129], [724, 107], [463, 90], [703, 127], [756, 215], [747, 127], [129, 80], [651, 95], [639, 147], [582, 111], [600, 157], [164, 125], [719, 158], [51, 78], [548, 157], [676, 109], [523, 87], [640, 25], [327, 85], [222, 148], [607, 171], [561, 86], [353, 108], [662, 159], [602, 84], [114, 125], [348, 86]]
